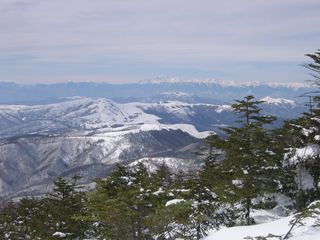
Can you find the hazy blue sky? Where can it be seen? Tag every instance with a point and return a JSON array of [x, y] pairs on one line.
[[129, 40]]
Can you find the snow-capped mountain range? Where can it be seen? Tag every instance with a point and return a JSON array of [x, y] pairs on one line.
[[89, 136], [198, 90], [224, 83]]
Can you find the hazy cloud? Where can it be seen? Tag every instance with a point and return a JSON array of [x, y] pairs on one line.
[[128, 40]]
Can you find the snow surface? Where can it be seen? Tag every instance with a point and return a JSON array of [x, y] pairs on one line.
[[277, 227], [174, 201], [59, 235], [182, 109], [304, 153]]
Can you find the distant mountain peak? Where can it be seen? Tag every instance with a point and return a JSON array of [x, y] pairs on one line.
[[158, 80], [223, 83], [277, 101], [176, 94]]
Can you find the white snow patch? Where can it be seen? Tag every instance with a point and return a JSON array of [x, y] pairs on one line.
[[59, 234], [307, 132], [190, 129], [301, 154], [174, 201], [263, 216], [156, 193], [237, 183]]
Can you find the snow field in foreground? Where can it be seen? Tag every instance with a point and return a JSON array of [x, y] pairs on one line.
[[277, 227]]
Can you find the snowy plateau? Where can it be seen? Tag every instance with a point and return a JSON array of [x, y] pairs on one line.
[[89, 136]]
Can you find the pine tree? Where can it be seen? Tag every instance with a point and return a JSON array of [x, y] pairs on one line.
[[9, 222], [205, 208], [298, 137], [123, 202], [314, 67], [313, 117], [250, 165], [64, 204], [301, 155], [213, 179], [163, 175], [32, 218], [40, 218]]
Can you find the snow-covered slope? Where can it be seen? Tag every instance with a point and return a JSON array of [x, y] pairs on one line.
[[87, 136], [80, 114], [82, 136], [278, 228]]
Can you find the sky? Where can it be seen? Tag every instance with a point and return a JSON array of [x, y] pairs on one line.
[[117, 41]]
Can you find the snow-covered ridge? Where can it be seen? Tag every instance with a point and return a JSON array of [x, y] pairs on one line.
[[90, 114], [86, 136], [158, 80], [224, 83], [176, 94], [277, 101], [182, 107]]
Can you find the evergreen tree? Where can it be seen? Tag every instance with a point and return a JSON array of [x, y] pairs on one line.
[[250, 165], [163, 176], [301, 156], [206, 209], [63, 205], [314, 67], [9, 223], [122, 203], [32, 218], [214, 179]]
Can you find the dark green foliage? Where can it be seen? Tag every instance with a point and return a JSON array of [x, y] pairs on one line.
[[32, 218], [64, 204], [249, 110], [299, 135], [250, 165], [204, 208], [122, 203], [314, 66], [135, 204], [163, 176]]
